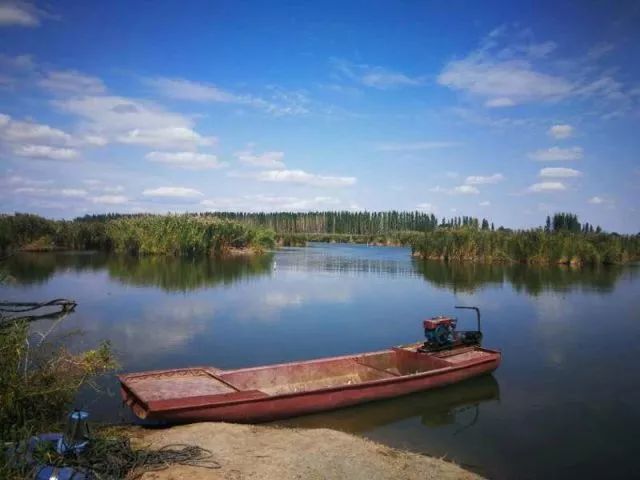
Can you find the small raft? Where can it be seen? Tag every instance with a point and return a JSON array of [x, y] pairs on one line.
[[260, 394]]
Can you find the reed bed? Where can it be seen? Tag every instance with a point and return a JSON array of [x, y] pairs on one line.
[[527, 246]]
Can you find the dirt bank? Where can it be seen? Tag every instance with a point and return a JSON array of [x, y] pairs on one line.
[[270, 453]]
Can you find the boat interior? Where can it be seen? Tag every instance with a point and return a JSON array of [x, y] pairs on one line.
[[294, 377]]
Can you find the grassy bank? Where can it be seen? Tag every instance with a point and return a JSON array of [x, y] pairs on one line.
[[530, 246], [140, 234]]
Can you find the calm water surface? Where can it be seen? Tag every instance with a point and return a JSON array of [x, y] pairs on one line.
[[565, 403]]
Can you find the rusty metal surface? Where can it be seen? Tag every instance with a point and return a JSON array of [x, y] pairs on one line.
[[176, 384]]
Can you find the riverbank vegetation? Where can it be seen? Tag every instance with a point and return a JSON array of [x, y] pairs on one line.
[[563, 239], [535, 246], [135, 234], [39, 382]]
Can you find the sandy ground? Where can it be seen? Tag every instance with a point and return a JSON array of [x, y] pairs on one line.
[[272, 453]]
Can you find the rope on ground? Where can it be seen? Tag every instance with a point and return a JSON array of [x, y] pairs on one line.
[[114, 458]]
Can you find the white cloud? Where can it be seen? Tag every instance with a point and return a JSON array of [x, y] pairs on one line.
[[505, 76], [73, 192], [13, 131], [113, 189], [499, 102], [45, 152], [72, 82], [426, 207], [485, 203], [280, 103], [596, 200], [559, 172], [182, 89], [509, 68], [20, 13], [19, 181], [110, 199], [465, 190], [172, 192], [561, 131], [375, 77], [414, 146], [547, 187], [169, 138], [557, 154], [484, 180], [94, 140], [304, 178], [136, 122], [51, 192], [255, 203], [270, 160], [459, 190], [187, 160], [502, 83]]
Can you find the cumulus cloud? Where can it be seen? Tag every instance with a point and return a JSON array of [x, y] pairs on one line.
[[559, 172], [303, 178], [135, 122], [561, 131], [72, 82], [557, 154], [21, 14], [45, 152], [485, 203], [186, 160], [414, 146], [269, 160], [374, 76], [172, 192], [484, 180], [547, 187], [18, 132], [169, 138]]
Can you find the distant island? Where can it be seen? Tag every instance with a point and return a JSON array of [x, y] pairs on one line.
[[562, 240]]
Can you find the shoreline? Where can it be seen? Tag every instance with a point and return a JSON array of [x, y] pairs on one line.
[[281, 453]]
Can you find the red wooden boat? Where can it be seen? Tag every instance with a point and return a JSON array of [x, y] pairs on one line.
[[259, 394]]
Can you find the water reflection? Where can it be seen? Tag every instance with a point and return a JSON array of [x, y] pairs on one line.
[[434, 409], [167, 273], [175, 274], [531, 279], [348, 259], [554, 325]]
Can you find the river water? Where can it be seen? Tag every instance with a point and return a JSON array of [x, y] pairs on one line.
[[565, 403]]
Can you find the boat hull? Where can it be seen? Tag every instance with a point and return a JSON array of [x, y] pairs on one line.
[[245, 404]]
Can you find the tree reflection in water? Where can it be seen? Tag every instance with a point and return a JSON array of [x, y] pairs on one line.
[[168, 273], [467, 277]]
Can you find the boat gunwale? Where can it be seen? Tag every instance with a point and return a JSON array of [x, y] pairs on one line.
[[495, 355]]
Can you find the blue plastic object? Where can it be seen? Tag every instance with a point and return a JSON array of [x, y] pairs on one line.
[[49, 472]]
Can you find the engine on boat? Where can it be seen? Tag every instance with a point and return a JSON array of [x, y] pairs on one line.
[[441, 334]]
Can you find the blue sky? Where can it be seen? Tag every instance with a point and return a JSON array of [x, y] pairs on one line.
[[504, 110]]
